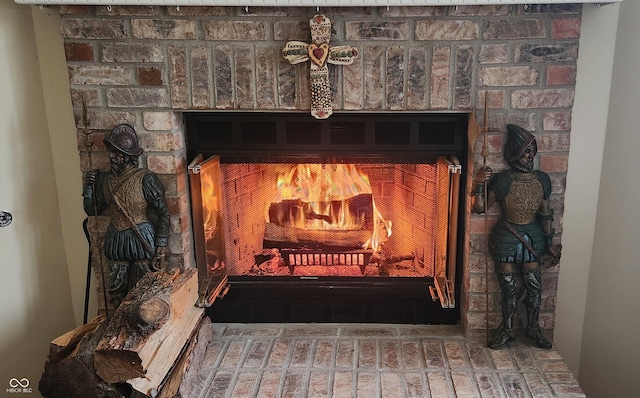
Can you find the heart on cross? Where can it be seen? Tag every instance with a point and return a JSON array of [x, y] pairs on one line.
[[318, 54]]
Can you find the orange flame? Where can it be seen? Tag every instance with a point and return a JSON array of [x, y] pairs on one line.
[[323, 192]]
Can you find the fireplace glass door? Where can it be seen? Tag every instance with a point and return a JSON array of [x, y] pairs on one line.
[[337, 214]]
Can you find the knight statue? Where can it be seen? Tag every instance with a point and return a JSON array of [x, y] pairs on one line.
[[522, 237], [136, 238]]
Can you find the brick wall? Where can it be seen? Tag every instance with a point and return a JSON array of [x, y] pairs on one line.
[[143, 65]]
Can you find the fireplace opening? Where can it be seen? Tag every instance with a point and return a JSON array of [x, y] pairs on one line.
[[354, 218]]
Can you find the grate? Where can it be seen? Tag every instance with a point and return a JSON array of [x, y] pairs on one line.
[[314, 257]]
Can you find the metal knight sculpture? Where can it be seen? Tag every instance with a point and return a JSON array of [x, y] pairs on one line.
[[136, 239], [521, 238]]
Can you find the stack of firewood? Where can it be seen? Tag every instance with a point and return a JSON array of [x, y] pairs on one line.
[[151, 346]]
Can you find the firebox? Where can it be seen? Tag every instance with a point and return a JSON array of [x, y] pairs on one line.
[[354, 218]]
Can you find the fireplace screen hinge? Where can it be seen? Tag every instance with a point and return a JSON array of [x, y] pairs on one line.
[[455, 168], [194, 169], [443, 291]]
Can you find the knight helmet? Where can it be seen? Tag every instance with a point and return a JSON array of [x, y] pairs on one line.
[[518, 139], [123, 137]]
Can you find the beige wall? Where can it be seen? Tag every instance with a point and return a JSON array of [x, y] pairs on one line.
[[35, 299], [610, 355], [589, 122]]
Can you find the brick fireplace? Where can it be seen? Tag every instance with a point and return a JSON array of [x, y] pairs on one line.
[[148, 65]]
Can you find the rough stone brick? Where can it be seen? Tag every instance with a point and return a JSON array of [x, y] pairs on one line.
[[554, 52], [73, 28], [509, 76], [303, 84], [493, 54], [353, 86], [367, 385], [150, 76], [554, 163], [342, 384], [373, 77], [75, 10], [132, 52], [137, 97], [556, 121], [478, 301], [512, 29], [222, 77], [292, 30], [464, 384], [572, 8], [395, 78], [548, 142], [561, 75], [197, 11], [549, 98], [200, 90], [446, 30], [234, 30], [127, 10], [163, 164], [286, 88], [463, 77], [495, 99], [439, 383], [417, 79], [440, 75], [565, 28], [178, 79], [266, 77], [100, 75], [105, 120], [244, 81], [272, 11], [78, 52], [168, 29], [91, 97], [483, 10], [160, 142], [378, 30], [158, 121], [416, 11]]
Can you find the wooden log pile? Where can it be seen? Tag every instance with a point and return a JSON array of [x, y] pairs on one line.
[[144, 350]]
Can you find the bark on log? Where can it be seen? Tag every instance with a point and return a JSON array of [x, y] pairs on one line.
[[69, 372], [149, 330]]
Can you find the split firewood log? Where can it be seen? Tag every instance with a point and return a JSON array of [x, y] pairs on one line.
[[149, 330], [69, 372]]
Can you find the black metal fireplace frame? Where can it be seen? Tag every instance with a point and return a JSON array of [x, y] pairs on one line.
[[262, 137]]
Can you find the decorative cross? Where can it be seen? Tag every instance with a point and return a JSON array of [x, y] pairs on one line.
[[320, 54]]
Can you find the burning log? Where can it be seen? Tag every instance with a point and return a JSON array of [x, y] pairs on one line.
[[357, 209], [149, 331], [279, 237]]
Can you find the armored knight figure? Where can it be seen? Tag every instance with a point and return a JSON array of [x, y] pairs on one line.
[[136, 239], [522, 236]]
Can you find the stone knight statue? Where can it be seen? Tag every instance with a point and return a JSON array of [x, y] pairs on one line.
[[522, 236], [136, 239]]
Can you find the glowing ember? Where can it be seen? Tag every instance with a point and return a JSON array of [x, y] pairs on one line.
[[328, 197]]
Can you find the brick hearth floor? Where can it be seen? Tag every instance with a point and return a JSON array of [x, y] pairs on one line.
[[356, 360]]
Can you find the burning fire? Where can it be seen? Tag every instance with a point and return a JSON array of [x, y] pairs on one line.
[[320, 197]]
